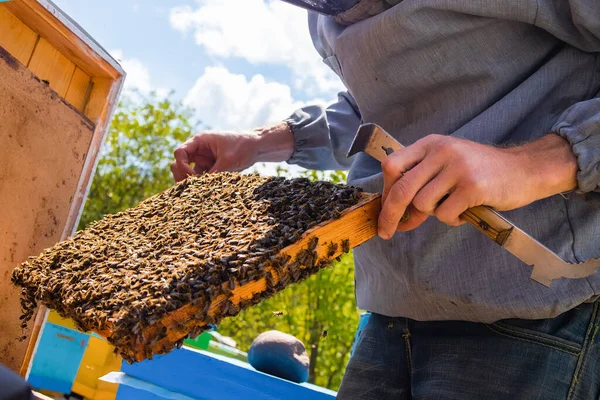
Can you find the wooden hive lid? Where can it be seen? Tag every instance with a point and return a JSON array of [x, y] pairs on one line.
[[55, 48]]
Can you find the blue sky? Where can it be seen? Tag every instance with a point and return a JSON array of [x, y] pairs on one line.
[[239, 63]]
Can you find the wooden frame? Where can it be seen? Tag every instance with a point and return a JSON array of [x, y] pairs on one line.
[[356, 225], [60, 53]]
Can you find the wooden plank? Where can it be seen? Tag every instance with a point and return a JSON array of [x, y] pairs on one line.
[[16, 37], [102, 121], [44, 19], [357, 225], [91, 162], [66, 36], [105, 111], [38, 325], [101, 87], [79, 89], [43, 148], [49, 64]]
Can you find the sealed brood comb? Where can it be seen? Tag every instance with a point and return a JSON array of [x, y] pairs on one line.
[[150, 276]]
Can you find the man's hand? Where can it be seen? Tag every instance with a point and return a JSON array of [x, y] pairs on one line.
[[419, 176], [232, 151]]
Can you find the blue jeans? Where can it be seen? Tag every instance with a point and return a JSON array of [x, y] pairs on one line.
[[399, 358]]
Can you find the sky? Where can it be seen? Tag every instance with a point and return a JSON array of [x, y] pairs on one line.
[[239, 63]]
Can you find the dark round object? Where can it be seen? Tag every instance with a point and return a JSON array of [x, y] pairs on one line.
[[279, 354]]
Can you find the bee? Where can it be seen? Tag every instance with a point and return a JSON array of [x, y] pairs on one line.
[[331, 249], [277, 313], [324, 334], [346, 245], [313, 243]]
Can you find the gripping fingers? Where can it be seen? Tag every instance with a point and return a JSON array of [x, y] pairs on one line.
[[449, 210], [433, 193], [182, 164], [177, 175], [398, 199], [401, 194], [396, 165], [415, 219]]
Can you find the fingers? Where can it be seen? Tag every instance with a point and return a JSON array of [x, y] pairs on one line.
[[402, 191], [450, 210], [177, 174], [203, 165], [429, 197], [181, 166], [398, 163], [414, 220], [195, 150], [221, 165]]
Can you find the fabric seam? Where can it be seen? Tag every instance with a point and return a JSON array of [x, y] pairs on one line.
[[532, 335], [494, 329], [586, 345], [571, 230], [406, 337]]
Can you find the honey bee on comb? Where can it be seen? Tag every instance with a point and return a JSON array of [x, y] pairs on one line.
[[149, 276]]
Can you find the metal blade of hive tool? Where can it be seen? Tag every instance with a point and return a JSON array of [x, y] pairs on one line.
[[547, 266], [374, 141]]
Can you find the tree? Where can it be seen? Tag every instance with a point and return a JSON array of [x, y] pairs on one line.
[[134, 161]]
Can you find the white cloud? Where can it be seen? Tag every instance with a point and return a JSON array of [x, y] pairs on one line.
[[261, 32], [224, 100], [138, 75]]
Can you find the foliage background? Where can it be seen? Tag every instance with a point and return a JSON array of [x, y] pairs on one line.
[[134, 165]]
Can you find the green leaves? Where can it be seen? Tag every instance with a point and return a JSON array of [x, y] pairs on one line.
[[134, 161]]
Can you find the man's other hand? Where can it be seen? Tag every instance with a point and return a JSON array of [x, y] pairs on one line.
[[219, 151], [419, 176]]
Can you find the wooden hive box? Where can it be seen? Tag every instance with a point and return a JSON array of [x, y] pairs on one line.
[[58, 90]]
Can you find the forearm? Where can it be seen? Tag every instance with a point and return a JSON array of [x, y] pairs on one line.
[[276, 143], [551, 165]]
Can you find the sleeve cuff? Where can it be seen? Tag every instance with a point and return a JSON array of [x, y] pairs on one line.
[[309, 126], [580, 126]]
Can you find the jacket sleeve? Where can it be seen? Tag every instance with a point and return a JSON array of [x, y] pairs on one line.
[[580, 125], [324, 135], [576, 22]]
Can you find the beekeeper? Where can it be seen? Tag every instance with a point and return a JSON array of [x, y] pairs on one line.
[[498, 105]]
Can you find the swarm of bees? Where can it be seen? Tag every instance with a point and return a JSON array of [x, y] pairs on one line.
[[189, 246]]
